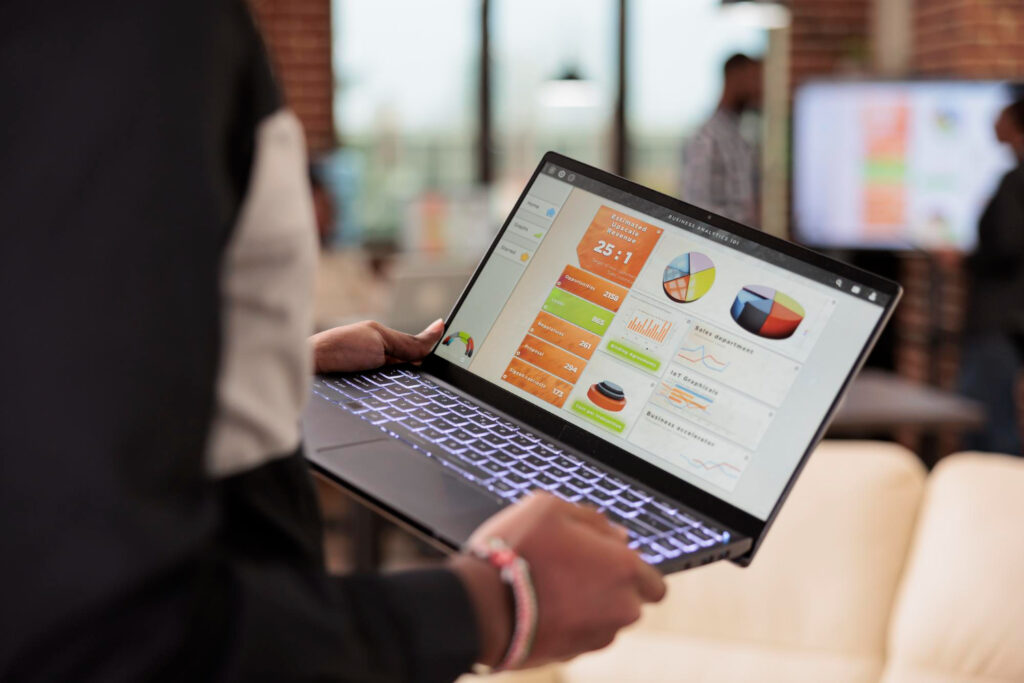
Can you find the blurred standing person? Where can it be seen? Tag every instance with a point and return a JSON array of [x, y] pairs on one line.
[[721, 167], [993, 348]]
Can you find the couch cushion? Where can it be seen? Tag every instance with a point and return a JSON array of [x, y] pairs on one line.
[[654, 657], [959, 615], [820, 589]]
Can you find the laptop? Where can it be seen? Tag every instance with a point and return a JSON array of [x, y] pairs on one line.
[[619, 348]]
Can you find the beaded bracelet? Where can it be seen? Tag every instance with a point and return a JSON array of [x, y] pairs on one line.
[[514, 571]]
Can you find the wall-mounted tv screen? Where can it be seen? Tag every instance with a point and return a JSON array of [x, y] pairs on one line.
[[896, 165]]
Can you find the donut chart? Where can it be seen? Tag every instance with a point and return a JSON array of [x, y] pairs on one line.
[[464, 338], [688, 277], [767, 312], [607, 395]]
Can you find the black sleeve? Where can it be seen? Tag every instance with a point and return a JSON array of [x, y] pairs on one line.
[[1001, 229], [289, 621], [124, 130]]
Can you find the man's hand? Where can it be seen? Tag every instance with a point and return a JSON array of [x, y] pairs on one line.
[[589, 584], [368, 345]]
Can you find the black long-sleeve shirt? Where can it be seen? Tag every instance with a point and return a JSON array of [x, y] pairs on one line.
[[996, 268], [137, 541]]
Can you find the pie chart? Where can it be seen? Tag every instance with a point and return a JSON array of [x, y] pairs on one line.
[[767, 312], [688, 277]]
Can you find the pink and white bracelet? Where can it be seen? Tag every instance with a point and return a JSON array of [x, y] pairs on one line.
[[514, 571]]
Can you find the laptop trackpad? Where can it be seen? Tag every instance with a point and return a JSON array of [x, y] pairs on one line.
[[326, 425], [402, 480]]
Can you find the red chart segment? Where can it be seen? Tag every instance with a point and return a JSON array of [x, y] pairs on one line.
[[767, 312]]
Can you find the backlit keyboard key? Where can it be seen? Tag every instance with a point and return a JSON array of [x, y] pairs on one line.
[[517, 480], [632, 498], [503, 489], [545, 481], [524, 469], [565, 464], [432, 434], [578, 484], [503, 459], [683, 543], [515, 450], [699, 536]]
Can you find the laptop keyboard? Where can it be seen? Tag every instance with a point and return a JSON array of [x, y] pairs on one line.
[[510, 462]]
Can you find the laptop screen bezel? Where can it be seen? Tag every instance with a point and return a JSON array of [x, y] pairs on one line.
[[607, 453]]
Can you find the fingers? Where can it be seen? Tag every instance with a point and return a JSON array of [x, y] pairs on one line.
[[650, 584], [400, 347], [588, 514]]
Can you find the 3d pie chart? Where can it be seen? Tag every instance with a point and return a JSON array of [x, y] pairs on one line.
[[767, 312], [607, 395], [688, 277], [464, 338]]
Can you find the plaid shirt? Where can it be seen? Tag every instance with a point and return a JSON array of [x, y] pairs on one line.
[[721, 170]]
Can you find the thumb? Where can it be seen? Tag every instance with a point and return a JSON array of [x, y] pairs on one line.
[[399, 347], [432, 332]]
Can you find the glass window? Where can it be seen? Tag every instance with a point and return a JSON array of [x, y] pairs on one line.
[[553, 70], [405, 112], [676, 52]]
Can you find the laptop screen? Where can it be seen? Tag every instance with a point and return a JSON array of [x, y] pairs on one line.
[[710, 356]]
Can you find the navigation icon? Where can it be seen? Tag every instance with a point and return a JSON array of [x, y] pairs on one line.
[[561, 174], [855, 289], [839, 282], [872, 296]]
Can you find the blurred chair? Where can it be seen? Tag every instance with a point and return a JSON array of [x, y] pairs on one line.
[[873, 572]]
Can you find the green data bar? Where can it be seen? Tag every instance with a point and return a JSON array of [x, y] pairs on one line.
[[634, 356], [577, 311], [598, 417]]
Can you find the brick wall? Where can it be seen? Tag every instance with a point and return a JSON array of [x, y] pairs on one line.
[[298, 36], [828, 37], [969, 38]]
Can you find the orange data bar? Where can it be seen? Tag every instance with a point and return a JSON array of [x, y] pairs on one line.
[[551, 358], [564, 335], [537, 382], [592, 288]]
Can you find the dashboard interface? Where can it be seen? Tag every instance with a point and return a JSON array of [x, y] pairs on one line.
[[710, 356]]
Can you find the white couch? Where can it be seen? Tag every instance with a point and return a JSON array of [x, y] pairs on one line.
[[874, 571]]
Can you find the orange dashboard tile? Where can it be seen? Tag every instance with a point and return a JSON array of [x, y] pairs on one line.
[[537, 382], [616, 246], [549, 357], [564, 335], [592, 288]]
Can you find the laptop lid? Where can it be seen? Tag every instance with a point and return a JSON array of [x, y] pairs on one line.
[[702, 357]]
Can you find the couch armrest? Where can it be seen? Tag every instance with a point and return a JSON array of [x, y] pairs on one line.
[[959, 615]]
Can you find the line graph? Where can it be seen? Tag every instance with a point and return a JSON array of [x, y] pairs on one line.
[[735, 362], [689, 448], [726, 468], [703, 357]]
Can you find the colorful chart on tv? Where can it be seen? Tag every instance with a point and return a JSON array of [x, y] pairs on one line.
[[688, 277], [767, 312]]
